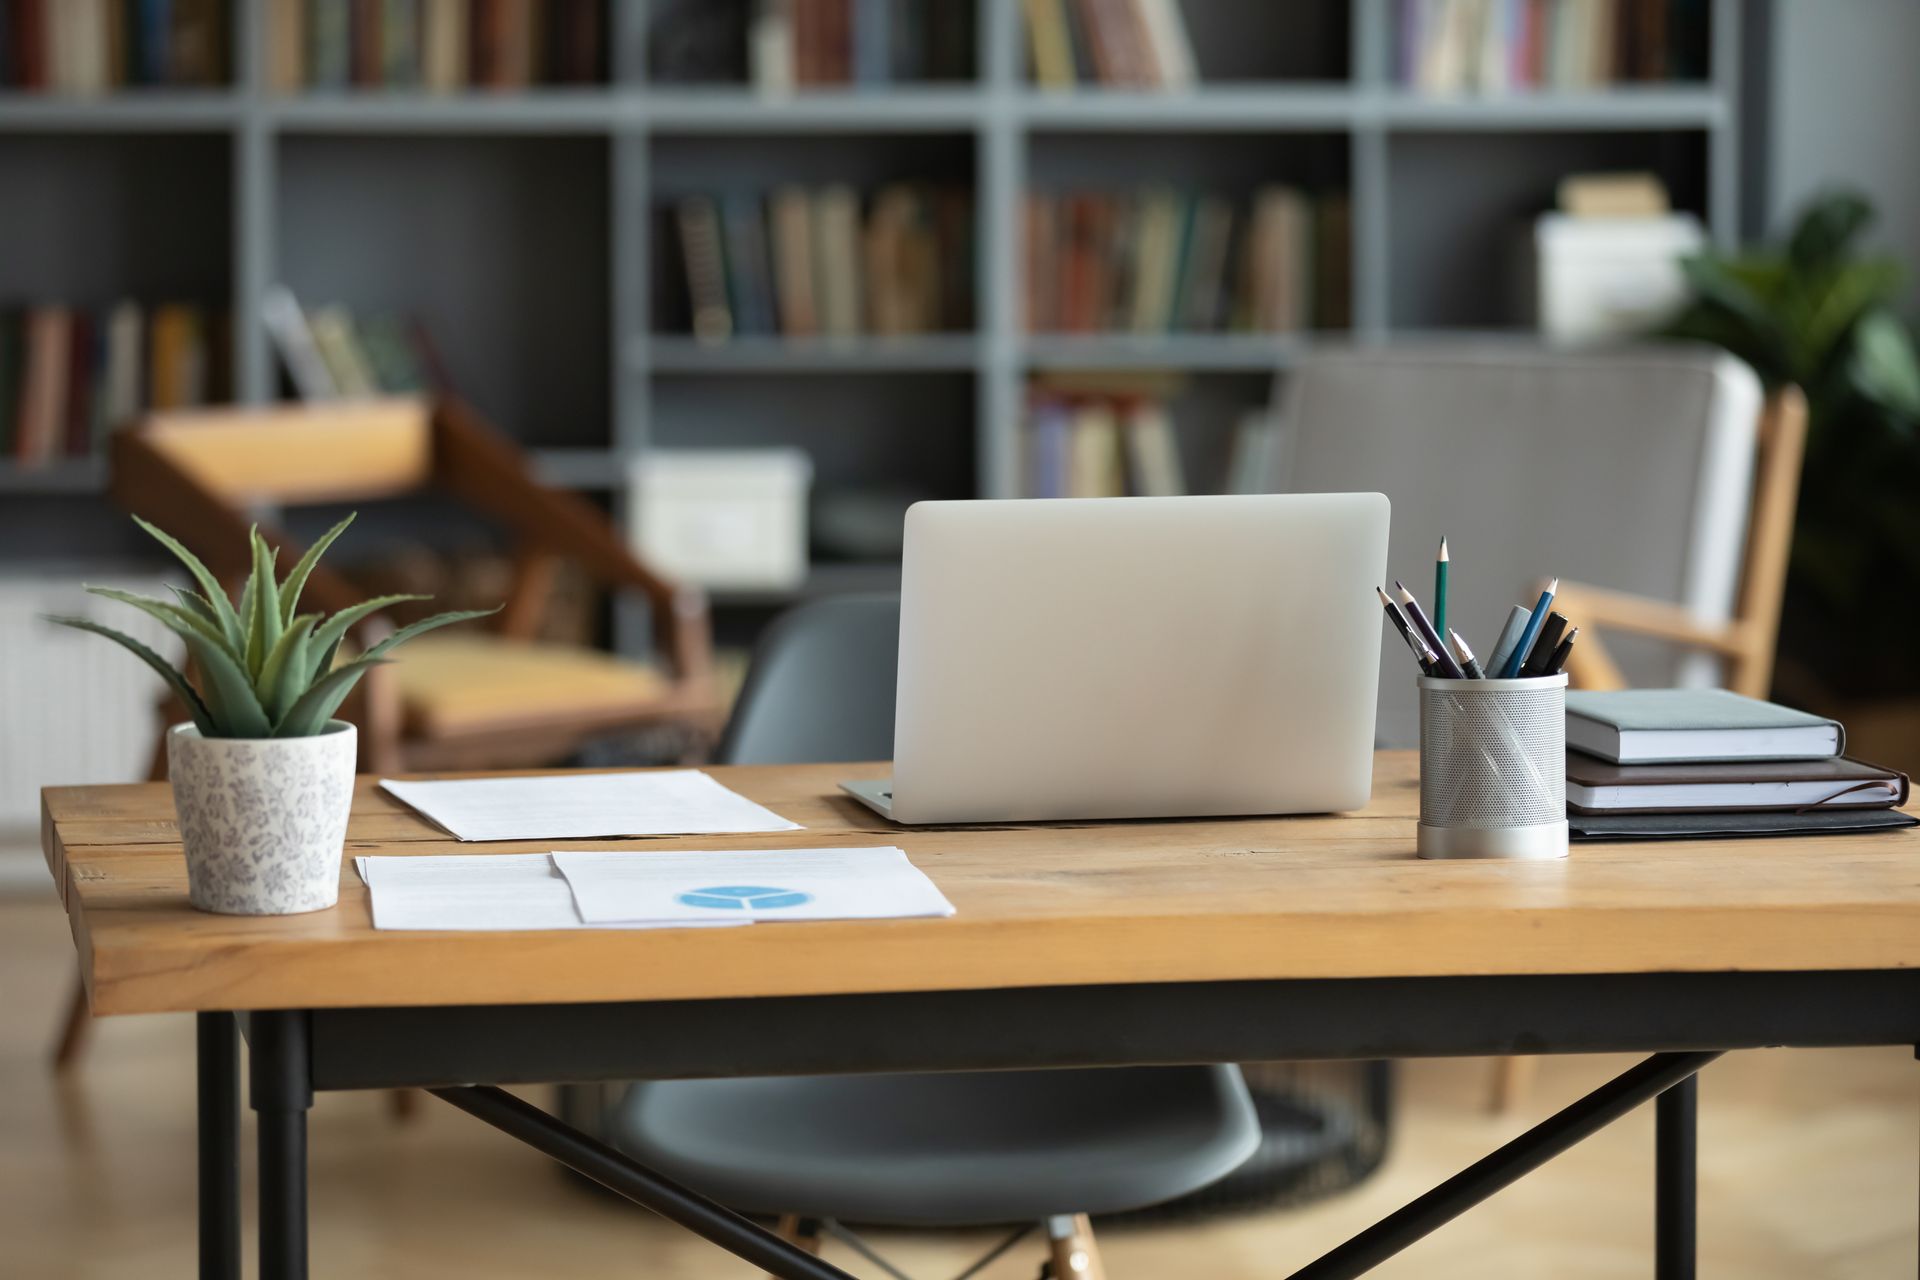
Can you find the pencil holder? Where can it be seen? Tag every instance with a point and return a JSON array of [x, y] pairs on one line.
[[1493, 768]]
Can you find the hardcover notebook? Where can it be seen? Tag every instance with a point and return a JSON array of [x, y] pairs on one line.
[[1597, 787], [1677, 726], [1725, 826]]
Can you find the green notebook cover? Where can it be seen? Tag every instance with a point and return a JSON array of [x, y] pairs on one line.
[[1671, 725]]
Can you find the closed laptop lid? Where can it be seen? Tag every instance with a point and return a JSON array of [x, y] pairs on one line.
[[1138, 657]]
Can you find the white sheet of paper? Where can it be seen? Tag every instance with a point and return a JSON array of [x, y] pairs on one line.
[[754, 884], [586, 806], [480, 892]]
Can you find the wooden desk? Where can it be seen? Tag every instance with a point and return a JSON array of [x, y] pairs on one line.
[[1074, 944]]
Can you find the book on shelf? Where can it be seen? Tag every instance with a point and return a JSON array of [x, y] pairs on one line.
[[1164, 261], [1492, 46], [803, 262], [92, 47], [71, 375], [861, 43], [441, 46], [1099, 436], [332, 353], [1132, 44]]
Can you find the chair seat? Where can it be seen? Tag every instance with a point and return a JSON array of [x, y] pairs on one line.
[[455, 684], [946, 1150]]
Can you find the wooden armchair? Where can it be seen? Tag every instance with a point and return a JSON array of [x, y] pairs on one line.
[[1745, 642], [469, 697]]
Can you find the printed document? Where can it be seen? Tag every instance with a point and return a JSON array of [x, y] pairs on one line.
[[586, 806], [749, 884]]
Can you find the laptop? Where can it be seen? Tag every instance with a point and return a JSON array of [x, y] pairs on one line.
[[1097, 658]]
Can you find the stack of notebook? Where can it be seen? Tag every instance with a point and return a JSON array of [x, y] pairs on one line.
[[1653, 763]]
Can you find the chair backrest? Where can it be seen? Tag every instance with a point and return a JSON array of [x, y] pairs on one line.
[[1630, 469], [821, 686], [295, 454], [204, 474]]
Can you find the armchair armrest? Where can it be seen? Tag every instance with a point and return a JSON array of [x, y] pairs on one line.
[[1597, 610]]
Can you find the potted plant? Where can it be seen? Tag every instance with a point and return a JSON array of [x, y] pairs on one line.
[[263, 775], [1819, 312]]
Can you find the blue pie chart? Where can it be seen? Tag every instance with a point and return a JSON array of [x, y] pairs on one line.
[[744, 897]]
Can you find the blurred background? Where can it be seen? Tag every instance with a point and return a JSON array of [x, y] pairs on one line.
[[735, 282]]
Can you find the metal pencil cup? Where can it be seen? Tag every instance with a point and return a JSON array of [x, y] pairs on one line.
[[1493, 768]]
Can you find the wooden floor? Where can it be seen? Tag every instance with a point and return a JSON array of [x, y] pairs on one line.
[[1809, 1168]]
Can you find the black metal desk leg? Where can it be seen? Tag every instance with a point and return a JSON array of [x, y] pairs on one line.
[[281, 1091], [218, 1053], [1676, 1144]]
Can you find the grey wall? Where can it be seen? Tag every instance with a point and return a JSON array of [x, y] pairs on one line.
[[1845, 108]]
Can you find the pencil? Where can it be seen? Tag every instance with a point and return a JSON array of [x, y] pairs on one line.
[[1440, 566], [1443, 662], [1414, 642], [1535, 620], [1468, 663]]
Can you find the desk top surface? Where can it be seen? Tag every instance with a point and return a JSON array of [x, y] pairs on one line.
[[1038, 905]]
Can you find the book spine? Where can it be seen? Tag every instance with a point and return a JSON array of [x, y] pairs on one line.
[[771, 50], [83, 363], [329, 43], [400, 44], [872, 42], [699, 224]]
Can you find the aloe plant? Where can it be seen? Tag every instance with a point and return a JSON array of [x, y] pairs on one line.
[[265, 670]]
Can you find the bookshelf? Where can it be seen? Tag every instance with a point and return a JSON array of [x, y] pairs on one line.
[[529, 229]]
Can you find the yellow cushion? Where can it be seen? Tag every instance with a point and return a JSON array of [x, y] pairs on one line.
[[454, 684]]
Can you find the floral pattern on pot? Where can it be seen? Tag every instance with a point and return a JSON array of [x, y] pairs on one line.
[[263, 820]]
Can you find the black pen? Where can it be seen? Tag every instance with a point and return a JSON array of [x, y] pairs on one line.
[[1544, 646], [1420, 651], [1558, 662], [1468, 663], [1443, 663]]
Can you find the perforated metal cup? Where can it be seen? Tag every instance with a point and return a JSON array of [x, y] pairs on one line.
[[1493, 768]]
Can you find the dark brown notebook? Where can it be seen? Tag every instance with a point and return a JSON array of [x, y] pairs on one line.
[[1595, 786]]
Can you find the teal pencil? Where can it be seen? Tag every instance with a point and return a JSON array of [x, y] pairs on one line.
[[1440, 590]]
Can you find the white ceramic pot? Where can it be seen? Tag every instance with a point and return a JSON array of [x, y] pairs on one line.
[[263, 820]]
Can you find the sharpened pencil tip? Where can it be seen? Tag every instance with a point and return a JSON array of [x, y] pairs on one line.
[[1553, 588], [1382, 593], [1443, 549]]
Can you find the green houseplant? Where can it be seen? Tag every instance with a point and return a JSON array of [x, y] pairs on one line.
[[262, 776], [1816, 312]]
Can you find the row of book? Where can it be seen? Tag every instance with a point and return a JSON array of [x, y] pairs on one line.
[[99, 46], [1088, 436], [803, 43], [1164, 260], [442, 46], [805, 262], [1135, 44], [71, 375], [329, 353], [1490, 46]]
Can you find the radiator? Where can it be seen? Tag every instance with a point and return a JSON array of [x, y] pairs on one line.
[[74, 708]]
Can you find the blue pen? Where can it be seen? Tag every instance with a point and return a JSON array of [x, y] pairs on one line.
[[1532, 633]]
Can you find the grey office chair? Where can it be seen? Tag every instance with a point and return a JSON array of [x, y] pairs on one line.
[[1040, 1149]]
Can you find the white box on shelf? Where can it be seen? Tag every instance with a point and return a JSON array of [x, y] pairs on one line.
[[730, 518], [1610, 277]]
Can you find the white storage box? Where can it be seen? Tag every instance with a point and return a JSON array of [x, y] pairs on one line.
[[726, 518], [1610, 277]]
